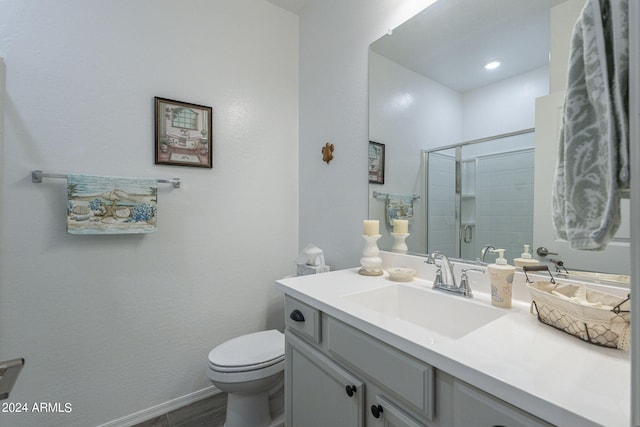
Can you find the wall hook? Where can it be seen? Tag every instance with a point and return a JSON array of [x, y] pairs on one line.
[[327, 152]]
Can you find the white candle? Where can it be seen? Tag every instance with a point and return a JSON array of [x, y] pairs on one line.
[[371, 227], [400, 226]]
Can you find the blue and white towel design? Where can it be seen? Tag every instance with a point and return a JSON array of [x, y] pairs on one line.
[[111, 205], [399, 207]]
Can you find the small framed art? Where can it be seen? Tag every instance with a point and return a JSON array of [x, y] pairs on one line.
[[184, 134], [376, 163]]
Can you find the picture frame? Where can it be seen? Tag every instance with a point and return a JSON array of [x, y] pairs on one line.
[[376, 162], [183, 133]]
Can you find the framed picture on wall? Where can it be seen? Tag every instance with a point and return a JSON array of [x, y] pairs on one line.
[[376, 163], [184, 134]]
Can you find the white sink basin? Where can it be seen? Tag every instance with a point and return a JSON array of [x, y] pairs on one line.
[[451, 316]]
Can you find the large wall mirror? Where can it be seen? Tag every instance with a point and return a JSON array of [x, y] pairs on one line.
[[473, 150]]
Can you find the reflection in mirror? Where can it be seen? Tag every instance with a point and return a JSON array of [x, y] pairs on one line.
[[480, 193], [429, 93]]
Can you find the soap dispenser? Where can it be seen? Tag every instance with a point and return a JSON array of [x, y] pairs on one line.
[[525, 259], [501, 278]]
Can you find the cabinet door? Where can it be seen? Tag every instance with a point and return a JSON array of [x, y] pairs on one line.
[[387, 414], [474, 408], [318, 391], [402, 375]]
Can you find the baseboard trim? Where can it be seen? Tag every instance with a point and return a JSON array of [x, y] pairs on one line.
[[163, 408]]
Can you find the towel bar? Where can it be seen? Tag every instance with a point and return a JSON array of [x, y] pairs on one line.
[[37, 175], [376, 195]]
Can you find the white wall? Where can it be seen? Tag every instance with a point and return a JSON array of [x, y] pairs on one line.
[[505, 106], [408, 113], [117, 324], [334, 40]]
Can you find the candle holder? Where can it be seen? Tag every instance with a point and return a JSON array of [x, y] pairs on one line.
[[371, 260], [399, 244]]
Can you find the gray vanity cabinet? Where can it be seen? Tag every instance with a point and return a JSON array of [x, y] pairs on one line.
[[318, 391], [474, 407], [397, 381], [327, 383], [336, 375]]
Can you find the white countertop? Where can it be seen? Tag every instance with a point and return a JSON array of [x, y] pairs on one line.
[[535, 367]]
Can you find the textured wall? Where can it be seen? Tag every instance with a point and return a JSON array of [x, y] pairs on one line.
[[117, 324], [334, 40], [408, 113], [505, 106]]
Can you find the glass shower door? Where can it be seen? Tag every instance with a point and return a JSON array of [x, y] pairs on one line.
[[442, 224], [481, 193]]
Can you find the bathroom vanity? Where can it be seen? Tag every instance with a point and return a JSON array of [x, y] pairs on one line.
[[367, 351]]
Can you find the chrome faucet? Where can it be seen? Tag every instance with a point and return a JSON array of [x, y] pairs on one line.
[[443, 278], [464, 287], [446, 280], [485, 249]]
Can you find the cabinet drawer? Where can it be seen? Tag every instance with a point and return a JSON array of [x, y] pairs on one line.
[[403, 375], [475, 408], [391, 415], [302, 318]]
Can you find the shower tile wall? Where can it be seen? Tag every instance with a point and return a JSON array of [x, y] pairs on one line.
[[505, 201]]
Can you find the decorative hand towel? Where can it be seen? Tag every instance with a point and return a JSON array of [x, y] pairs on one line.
[[111, 205], [593, 163], [399, 207]]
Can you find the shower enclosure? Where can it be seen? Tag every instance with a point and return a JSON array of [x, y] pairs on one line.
[[480, 193]]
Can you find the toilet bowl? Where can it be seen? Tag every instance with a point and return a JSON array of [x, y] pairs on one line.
[[247, 368]]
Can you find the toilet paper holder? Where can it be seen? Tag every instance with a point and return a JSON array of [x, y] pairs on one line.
[[9, 371]]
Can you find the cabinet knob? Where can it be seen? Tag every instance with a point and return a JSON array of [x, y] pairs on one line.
[[350, 389], [297, 316], [376, 410]]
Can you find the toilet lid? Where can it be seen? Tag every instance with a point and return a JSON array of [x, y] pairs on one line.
[[247, 350]]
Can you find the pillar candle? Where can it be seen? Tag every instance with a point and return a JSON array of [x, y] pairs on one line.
[[400, 226], [371, 227]]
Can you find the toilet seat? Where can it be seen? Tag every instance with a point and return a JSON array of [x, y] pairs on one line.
[[245, 368], [251, 352]]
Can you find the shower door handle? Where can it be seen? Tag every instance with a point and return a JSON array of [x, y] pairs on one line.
[[467, 233]]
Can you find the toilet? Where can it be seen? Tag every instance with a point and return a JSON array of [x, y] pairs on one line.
[[248, 368]]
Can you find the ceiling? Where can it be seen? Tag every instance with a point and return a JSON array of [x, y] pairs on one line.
[[455, 38], [451, 40]]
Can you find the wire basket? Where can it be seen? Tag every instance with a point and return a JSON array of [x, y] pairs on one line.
[[596, 317]]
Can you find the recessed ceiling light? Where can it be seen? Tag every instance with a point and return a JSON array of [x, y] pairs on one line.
[[492, 65]]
